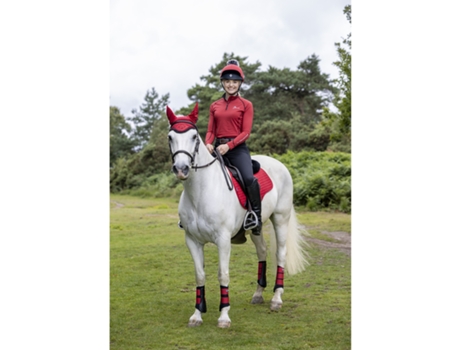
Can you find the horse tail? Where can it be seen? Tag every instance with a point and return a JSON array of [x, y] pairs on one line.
[[296, 246]]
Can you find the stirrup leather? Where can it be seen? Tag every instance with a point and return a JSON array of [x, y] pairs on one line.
[[250, 220]]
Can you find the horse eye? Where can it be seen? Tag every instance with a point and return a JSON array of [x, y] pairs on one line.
[[194, 137]]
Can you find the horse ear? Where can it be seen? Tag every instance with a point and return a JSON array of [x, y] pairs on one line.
[[170, 114], [194, 115]]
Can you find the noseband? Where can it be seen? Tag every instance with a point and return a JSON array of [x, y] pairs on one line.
[[197, 144]]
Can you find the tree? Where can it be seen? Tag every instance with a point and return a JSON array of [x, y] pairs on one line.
[[273, 136], [278, 93], [157, 150], [340, 121], [120, 143], [154, 158], [144, 118], [211, 90]]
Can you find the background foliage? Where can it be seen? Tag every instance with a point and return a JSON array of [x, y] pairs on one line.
[[297, 113], [322, 180]]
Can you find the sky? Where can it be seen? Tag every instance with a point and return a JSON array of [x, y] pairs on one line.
[[169, 45]]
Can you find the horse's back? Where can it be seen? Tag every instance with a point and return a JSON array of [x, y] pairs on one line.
[[281, 196], [276, 170]]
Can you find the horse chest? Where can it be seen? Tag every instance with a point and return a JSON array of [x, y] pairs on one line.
[[209, 227], [200, 225]]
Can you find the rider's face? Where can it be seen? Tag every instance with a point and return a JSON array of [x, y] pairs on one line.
[[231, 86]]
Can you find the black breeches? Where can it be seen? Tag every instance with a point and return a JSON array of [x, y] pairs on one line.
[[241, 159]]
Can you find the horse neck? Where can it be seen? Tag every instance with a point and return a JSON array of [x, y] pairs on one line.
[[203, 156]]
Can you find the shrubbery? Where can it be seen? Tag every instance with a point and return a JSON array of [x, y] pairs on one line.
[[159, 186], [322, 180], [123, 181]]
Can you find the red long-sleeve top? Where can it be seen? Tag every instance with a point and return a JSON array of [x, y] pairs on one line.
[[230, 118]]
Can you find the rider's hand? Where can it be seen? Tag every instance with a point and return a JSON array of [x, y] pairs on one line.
[[223, 148], [210, 148]]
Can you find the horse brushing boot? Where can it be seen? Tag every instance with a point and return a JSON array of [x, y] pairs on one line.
[[256, 205]]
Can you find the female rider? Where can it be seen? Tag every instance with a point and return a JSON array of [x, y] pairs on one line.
[[230, 123]]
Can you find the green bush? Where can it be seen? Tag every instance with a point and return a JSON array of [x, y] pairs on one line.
[[322, 180], [157, 186]]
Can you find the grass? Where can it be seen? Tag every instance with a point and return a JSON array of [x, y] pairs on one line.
[[153, 288], [317, 222]]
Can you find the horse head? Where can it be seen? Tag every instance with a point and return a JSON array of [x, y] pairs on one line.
[[184, 141]]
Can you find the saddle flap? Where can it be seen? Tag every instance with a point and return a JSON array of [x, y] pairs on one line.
[[265, 183]]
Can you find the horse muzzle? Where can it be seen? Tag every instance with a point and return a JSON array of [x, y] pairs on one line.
[[181, 172]]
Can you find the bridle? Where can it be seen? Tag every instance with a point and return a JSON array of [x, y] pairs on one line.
[[197, 145], [192, 156]]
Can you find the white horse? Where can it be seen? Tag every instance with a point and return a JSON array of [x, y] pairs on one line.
[[210, 212]]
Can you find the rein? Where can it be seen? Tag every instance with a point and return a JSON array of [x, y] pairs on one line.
[[222, 165], [196, 167]]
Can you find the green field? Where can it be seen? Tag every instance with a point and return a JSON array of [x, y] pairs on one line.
[[152, 287]]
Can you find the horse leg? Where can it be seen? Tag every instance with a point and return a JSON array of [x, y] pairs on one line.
[[280, 224], [197, 252], [261, 249], [224, 248]]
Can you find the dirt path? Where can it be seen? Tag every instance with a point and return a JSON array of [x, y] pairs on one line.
[[117, 205], [344, 243]]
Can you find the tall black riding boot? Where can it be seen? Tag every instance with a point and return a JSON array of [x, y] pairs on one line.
[[254, 199]]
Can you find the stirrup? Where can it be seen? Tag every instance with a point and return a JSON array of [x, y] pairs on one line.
[[250, 221], [180, 225]]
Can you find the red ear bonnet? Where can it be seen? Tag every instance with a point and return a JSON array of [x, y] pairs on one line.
[[194, 115], [170, 114], [175, 121]]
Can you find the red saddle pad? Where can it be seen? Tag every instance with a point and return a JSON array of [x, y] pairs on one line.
[[265, 183]]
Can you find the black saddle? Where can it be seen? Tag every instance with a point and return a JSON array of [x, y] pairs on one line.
[[237, 175]]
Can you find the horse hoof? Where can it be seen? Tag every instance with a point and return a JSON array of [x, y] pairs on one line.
[[275, 306], [195, 323], [223, 324], [257, 300]]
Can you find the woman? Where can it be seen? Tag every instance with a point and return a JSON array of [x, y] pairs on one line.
[[230, 123]]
